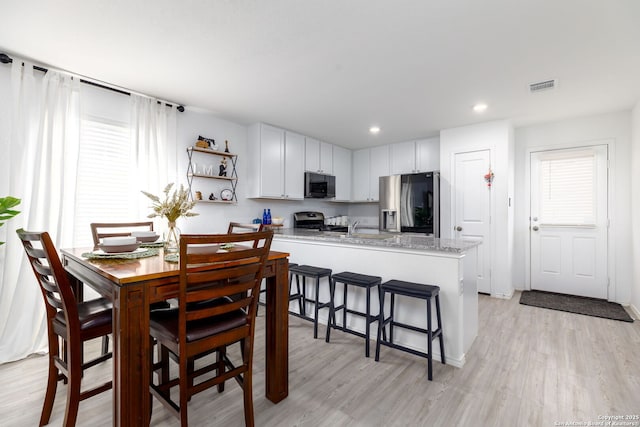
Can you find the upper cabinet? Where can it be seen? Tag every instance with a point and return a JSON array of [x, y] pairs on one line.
[[342, 172], [276, 162], [415, 156], [369, 165], [318, 156]]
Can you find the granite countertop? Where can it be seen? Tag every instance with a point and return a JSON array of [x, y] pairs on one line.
[[386, 240]]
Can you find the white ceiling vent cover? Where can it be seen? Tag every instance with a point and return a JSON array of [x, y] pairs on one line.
[[542, 86]]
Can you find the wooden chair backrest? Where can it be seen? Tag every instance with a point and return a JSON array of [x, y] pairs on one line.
[[117, 229], [239, 227], [208, 272], [51, 276]]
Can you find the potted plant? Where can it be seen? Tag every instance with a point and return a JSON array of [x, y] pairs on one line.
[[6, 211], [172, 207]]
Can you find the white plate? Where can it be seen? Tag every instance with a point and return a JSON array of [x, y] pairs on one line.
[[101, 252]]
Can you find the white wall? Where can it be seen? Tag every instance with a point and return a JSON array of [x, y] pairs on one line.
[[613, 127], [496, 136], [635, 207], [215, 217]]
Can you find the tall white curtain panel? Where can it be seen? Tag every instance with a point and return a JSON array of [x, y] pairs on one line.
[[153, 151], [41, 163]]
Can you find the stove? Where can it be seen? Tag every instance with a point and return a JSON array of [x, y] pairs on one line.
[[315, 221]]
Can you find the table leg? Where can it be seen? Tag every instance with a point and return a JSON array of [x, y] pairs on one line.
[[277, 333], [130, 356]]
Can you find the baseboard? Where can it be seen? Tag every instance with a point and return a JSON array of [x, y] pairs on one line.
[[635, 311], [503, 296]]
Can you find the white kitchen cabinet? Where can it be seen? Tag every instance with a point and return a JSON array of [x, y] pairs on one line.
[[369, 165], [318, 156], [415, 156], [293, 166], [276, 163], [342, 172]]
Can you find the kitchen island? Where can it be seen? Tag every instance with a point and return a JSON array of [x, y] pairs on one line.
[[450, 264]]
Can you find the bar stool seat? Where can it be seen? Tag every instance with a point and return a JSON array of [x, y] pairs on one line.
[[315, 273], [413, 290], [353, 279]]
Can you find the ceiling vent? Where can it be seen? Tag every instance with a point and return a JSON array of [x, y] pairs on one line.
[[542, 86]]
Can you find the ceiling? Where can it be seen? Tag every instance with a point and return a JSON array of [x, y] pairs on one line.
[[332, 68]]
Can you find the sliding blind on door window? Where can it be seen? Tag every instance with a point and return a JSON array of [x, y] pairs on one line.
[[103, 175], [568, 188]]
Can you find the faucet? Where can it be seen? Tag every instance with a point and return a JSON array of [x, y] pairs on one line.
[[352, 228]]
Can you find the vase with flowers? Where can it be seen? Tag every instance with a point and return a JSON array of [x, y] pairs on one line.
[[173, 206]]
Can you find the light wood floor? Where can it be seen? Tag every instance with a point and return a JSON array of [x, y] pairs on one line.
[[528, 367]]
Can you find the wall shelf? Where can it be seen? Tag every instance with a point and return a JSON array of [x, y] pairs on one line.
[[231, 178]]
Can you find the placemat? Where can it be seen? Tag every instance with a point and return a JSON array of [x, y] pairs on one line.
[[172, 258], [152, 245], [133, 255]]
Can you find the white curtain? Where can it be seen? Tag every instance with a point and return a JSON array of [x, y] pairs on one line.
[[41, 162], [153, 152]]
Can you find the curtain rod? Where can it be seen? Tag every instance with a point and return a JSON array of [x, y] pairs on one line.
[[6, 59]]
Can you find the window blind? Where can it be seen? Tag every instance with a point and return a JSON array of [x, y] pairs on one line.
[[103, 175], [568, 189]]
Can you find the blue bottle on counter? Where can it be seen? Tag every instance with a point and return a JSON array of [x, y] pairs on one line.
[[264, 216], [268, 216]]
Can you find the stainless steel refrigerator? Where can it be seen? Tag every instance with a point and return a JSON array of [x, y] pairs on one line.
[[410, 203]]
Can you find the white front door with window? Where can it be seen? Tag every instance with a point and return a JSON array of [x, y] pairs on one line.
[[568, 221], [472, 209]]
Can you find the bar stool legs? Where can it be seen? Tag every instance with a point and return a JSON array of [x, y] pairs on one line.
[[352, 279], [414, 290]]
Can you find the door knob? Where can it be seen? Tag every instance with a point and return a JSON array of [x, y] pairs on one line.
[[458, 228], [535, 218], [535, 228]]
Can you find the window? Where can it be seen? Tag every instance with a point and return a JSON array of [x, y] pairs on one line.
[[103, 175], [568, 188]]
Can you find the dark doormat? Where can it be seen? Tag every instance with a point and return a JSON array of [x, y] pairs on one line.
[[575, 304]]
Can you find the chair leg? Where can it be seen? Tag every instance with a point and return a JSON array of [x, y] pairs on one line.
[[380, 325], [332, 309], [368, 325], [248, 398], [74, 367], [429, 343], [105, 345], [184, 392], [220, 366], [441, 338], [315, 319], [52, 382]]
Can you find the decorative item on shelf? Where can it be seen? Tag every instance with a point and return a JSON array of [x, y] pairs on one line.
[[172, 207], [488, 177], [223, 167], [226, 195], [212, 197], [6, 211], [198, 195], [226, 146], [207, 143]]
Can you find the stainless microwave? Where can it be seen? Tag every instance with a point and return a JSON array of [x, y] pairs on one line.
[[319, 186]]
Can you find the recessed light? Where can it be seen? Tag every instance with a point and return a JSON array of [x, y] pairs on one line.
[[374, 129], [480, 108]]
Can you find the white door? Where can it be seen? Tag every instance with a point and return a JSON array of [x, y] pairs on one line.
[[472, 208], [568, 231]]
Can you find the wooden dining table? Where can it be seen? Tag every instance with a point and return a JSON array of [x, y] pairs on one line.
[[132, 285]]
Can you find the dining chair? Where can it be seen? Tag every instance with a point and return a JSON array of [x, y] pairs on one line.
[[100, 230], [239, 227], [69, 325], [217, 306]]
